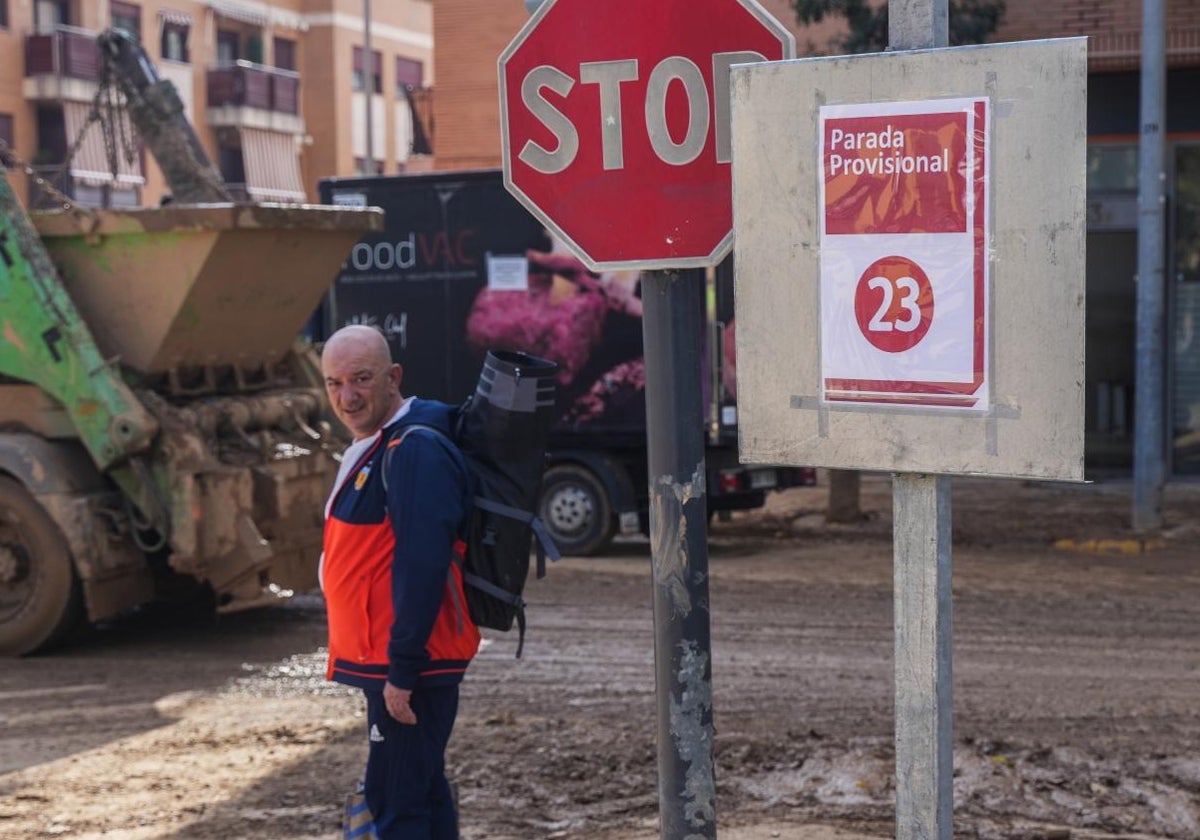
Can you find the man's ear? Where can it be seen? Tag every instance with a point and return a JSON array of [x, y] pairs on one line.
[[396, 372]]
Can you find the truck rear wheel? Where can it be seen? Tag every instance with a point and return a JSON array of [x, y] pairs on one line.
[[39, 597], [576, 510]]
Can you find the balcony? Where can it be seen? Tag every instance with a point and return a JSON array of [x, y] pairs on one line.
[[247, 95], [48, 183], [63, 64]]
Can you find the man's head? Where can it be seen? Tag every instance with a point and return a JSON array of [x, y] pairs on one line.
[[362, 381]]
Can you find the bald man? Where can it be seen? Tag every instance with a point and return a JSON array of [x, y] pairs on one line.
[[391, 573]]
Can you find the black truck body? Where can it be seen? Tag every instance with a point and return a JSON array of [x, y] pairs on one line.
[[462, 267]]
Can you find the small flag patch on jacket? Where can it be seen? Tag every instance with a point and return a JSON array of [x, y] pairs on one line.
[[361, 478]]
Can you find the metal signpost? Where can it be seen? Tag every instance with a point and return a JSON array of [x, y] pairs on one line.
[[1148, 432], [615, 124], [910, 299]]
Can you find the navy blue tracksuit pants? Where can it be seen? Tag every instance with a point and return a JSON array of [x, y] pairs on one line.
[[406, 785]]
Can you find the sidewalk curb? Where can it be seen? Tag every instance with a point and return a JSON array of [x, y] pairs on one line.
[[1110, 546]]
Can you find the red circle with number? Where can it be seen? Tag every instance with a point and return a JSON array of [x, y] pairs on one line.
[[894, 304]]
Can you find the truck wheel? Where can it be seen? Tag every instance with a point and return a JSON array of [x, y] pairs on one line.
[[39, 597], [576, 510]]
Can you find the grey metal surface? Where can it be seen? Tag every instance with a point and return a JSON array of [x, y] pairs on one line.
[[924, 657], [1148, 451], [1034, 427], [673, 306]]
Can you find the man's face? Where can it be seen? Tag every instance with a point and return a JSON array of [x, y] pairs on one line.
[[363, 387]]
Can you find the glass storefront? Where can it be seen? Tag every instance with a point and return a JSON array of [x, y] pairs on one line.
[[1184, 273], [1112, 178], [1112, 305]]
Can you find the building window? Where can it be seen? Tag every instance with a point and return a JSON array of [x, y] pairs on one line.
[[358, 79], [127, 16], [360, 167], [174, 44], [7, 141], [409, 75], [1187, 230], [284, 50], [254, 49], [227, 46], [48, 14], [1112, 167]]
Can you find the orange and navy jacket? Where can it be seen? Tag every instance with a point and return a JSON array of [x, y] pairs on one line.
[[391, 570]]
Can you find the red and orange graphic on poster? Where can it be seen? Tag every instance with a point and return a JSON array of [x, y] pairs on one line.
[[904, 262]]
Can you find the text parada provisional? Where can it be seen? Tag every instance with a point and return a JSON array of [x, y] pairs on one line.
[[889, 156]]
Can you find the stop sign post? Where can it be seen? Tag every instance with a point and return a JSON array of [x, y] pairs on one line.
[[616, 134]]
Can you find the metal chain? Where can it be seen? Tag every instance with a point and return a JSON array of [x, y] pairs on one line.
[[60, 175], [43, 185], [92, 116], [106, 111], [114, 127]]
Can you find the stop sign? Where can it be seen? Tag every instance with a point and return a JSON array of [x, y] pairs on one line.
[[615, 123]]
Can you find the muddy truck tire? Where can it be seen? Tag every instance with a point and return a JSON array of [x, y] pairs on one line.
[[576, 510], [39, 595]]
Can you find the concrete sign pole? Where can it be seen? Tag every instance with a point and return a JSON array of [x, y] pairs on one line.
[[921, 514], [1148, 453], [924, 694]]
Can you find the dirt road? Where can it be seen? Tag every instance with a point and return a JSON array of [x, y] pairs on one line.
[[1076, 680]]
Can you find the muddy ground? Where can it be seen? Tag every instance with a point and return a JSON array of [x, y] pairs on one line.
[[1076, 683]]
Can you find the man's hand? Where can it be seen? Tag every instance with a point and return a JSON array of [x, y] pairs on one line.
[[397, 702]]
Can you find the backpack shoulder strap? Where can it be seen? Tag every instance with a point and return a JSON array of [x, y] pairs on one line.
[[400, 433]]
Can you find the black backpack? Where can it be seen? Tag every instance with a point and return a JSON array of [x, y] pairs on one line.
[[501, 431]]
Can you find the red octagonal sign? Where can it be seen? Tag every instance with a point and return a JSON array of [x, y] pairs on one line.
[[615, 121]]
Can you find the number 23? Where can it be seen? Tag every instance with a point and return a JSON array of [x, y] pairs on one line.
[[909, 290]]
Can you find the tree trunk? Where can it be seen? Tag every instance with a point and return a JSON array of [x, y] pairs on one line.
[[844, 496]]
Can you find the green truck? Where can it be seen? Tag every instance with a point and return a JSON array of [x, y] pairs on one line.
[[160, 420]]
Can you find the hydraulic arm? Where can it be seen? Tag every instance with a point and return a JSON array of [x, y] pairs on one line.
[[158, 115], [47, 343]]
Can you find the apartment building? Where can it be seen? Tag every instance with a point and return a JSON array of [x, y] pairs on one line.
[[277, 91]]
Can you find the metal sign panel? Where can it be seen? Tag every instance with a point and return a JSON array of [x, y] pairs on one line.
[[909, 233]]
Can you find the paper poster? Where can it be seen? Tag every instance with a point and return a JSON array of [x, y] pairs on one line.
[[507, 273], [904, 261]]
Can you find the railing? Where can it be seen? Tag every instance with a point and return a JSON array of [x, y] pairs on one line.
[[244, 83], [238, 192], [1112, 50], [67, 51], [84, 195]]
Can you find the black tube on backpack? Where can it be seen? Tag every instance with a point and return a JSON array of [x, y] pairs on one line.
[[502, 431]]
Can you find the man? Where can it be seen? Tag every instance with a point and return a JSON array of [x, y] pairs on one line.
[[391, 573]]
